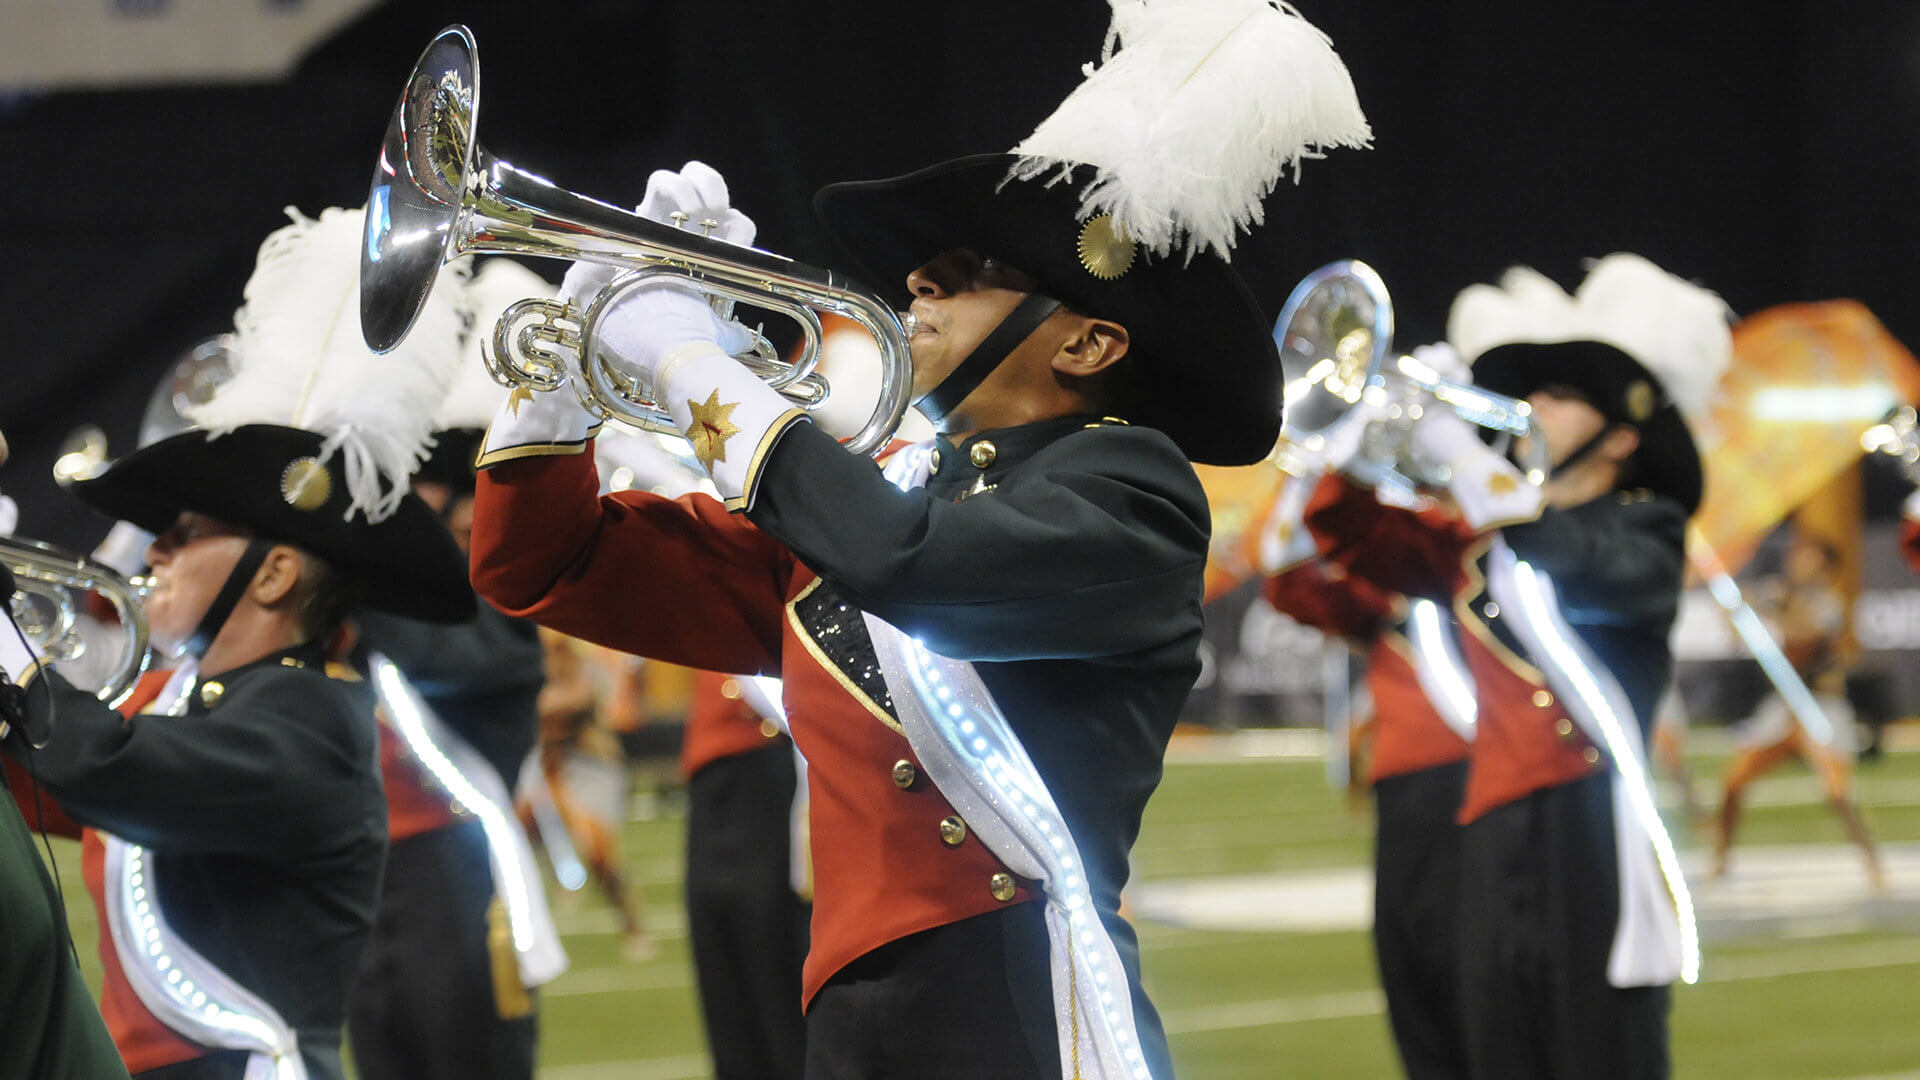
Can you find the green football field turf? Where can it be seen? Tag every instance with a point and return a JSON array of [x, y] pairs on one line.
[[1831, 995]]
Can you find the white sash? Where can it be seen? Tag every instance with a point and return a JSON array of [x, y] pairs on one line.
[[977, 762], [182, 989], [1442, 675], [1656, 939], [462, 773]]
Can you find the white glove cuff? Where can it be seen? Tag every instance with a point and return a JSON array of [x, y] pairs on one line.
[[1492, 492], [729, 415], [531, 424]]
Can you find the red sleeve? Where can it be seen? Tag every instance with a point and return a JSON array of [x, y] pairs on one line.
[[1314, 594], [1910, 542], [1414, 553], [679, 580]]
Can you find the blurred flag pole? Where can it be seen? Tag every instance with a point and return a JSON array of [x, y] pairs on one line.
[[1753, 632]]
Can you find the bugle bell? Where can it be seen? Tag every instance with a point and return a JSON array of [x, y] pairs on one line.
[[437, 194], [47, 605], [1335, 336]]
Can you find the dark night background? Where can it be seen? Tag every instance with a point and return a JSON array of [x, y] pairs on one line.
[[1766, 149]]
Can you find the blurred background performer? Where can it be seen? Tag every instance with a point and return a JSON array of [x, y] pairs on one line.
[[444, 991], [1809, 618], [1422, 723], [247, 824], [1059, 540], [1569, 932], [53, 1028]]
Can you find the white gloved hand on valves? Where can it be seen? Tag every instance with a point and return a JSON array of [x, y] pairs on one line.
[[1490, 490]]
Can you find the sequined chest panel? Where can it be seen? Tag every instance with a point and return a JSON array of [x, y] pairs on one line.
[[835, 631]]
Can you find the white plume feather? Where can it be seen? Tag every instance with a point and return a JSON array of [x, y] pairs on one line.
[[1676, 329], [299, 359], [1525, 306], [474, 397], [1191, 123]]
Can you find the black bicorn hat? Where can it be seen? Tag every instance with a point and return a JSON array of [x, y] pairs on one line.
[[1642, 346], [1622, 390], [1206, 371], [278, 482], [1125, 204]]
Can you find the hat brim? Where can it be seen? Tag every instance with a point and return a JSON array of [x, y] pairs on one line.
[[409, 561], [1207, 372], [1667, 462]]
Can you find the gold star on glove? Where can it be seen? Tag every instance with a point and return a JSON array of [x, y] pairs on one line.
[[520, 396], [1501, 484], [710, 428]]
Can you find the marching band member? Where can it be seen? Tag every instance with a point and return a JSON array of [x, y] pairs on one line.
[[1079, 336], [1423, 716], [238, 827], [53, 1027], [463, 936], [1573, 917]]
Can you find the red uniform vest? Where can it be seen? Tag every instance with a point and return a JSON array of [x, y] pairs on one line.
[[1524, 741], [686, 582]]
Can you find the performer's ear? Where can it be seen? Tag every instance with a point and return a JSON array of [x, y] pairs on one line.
[[1091, 346]]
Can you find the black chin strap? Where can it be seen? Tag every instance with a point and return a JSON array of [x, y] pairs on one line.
[[1585, 451], [223, 604], [1019, 324]]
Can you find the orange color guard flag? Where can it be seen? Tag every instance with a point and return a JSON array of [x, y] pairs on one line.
[[1806, 381]]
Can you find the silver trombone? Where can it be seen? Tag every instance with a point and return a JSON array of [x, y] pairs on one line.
[[437, 194], [1335, 336], [47, 606]]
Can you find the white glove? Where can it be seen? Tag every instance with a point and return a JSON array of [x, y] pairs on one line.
[[531, 423], [699, 194], [1490, 490], [18, 661], [1911, 508], [1445, 361]]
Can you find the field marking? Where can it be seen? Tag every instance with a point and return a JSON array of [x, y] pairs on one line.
[[684, 1067]]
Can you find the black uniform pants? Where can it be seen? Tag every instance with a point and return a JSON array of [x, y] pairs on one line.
[[1539, 901], [965, 1001], [1416, 864], [747, 928], [424, 1007]]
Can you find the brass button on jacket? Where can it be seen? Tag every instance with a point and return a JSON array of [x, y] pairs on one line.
[[982, 454], [904, 774], [953, 831], [1001, 886], [1592, 755], [211, 692], [933, 463], [769, 729], [1542, 698], [1563, 727]]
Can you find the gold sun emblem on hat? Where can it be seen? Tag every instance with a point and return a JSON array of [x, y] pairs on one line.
[[306, 484], [1639, 400], [1105, 248], [710, 428]]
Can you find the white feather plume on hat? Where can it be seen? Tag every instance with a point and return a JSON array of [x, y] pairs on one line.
[[1526, 306], [1679, 331], [474, 397], [299, 359], [1195, 118]]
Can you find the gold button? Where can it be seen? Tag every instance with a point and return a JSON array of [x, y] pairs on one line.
[[1563, 727], [769, 729], [211, 693], [904, 774], [982, 454], [1542, 699], [1592, 755], [1492, 610], [953, 832], [933, 465], [1001, 886], [292, 662], [730, 689]]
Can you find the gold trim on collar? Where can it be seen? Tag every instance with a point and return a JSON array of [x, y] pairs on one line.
[[853, 690]]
